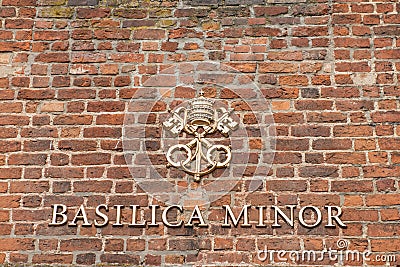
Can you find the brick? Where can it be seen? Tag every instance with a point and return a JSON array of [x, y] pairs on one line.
[[389, 143], [120, 259], [78, 243], [58, 57], [39, 132], [352, 42], [290, 185], [116, 34], [354, 105], [270, 10], [346, 19], [385, 245], [350, 214], [203, 3], [380, 171], [82, 34], [275, 67], [119, 172], [136, 244], [313, 104], [285, 93], [29, 187], [389, 116], [149, 34], [310, 31], [332, 144], [83, 2], [93, 186], [59, 159], [295, 55], [18, 23], [351, 186], [88, 57], [310, 10], [292, 144], [90, 13], [36, 94], [310, 130], [382, 199], [27, 159], [73, 119], [52, 107], [114, 245], [340, 92], [51, 35], [77, 145], [91, 159], [345, 158], [231, 257], [37, 145], [352, 67], [106, 106], [7, 12], [9, 244], [10, 201], [318, 171], [110, 119], [52, 259], [128, 57], [287, 157], [64, 172], [289, 117], [76, 94], [9, 146], [106, 132], [130, 14], [352, 130], [56, 12], [60, 81], [86, 258]]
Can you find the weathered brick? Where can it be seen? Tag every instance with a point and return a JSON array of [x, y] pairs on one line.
[[58, 57], [52, 259], [351, 186], [72, 119], [93, 186], [37, 145], [9, 244], [77, 244], [77, 145], [10, 201], [120, 259], [345, 158], [27, 159], [352, 130], [102, 132], [56, 12], [91, 159], [310, 130], [29, 187], [149, 34], [319, 171]]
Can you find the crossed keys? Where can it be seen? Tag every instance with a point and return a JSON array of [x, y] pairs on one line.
[[199, 120]]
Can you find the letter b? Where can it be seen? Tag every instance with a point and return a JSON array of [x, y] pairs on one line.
[[57, 214]]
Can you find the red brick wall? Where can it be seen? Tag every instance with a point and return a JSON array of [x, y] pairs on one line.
[[68, 70]]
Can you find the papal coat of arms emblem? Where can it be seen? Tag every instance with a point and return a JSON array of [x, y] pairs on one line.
[[199, 119]]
